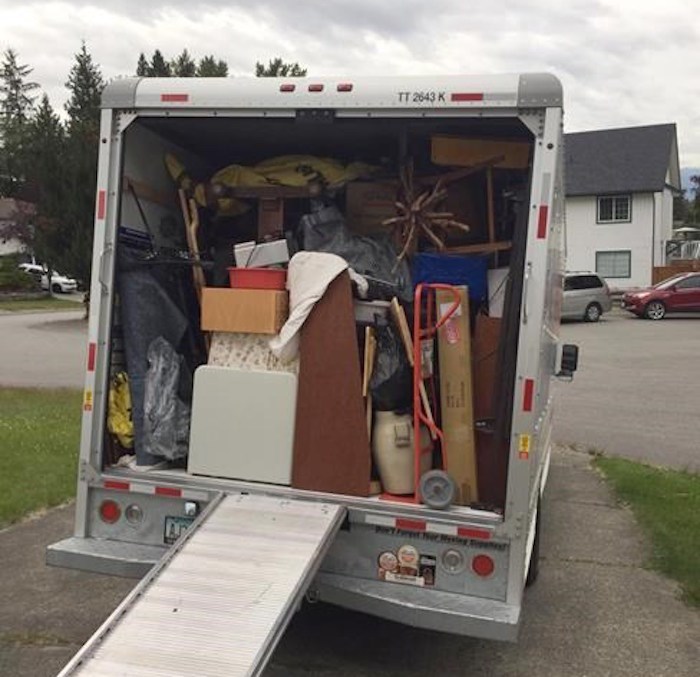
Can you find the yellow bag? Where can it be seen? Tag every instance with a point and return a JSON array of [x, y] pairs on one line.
[[119, 421]]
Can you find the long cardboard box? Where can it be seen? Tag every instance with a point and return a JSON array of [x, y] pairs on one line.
[[454, 360], [254, 311], [460, 152]]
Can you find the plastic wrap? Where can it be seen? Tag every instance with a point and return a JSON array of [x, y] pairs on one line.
[[372, 257], [392, 379], [166, 416]]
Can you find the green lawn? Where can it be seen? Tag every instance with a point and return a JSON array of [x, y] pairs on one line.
[[39, 436], [48, 303], [667, 505]]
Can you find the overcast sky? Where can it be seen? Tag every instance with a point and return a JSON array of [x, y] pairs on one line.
[[622, 62]]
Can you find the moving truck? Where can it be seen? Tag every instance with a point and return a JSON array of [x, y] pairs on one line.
[[212, 548]]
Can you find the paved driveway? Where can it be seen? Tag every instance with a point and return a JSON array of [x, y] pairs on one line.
[[43, 349], [595, 610], [637, 391]]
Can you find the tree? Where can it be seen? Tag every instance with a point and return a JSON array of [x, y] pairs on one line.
[[277, 68], [50, 234], [83, 107], [183, 66], [15, 109], [160, 68], [143, 68], [209, 67]]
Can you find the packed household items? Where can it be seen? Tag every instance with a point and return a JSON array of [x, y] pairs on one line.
[[342, 337]]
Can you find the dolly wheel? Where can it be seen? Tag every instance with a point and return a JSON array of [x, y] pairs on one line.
[[437, 489]]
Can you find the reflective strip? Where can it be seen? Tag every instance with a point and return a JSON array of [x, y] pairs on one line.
[[174, 98], [467, 96], [542, 222], [101, 204], [405, 524], [92, 350], [528, 394], [153, 490]]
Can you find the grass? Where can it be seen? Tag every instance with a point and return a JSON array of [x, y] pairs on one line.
[[39, 437], [48, 303], [667, 505]]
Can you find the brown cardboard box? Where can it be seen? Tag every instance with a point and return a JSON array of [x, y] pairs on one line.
[[460, 152], [367, 204], [255, 311], [454, 357]]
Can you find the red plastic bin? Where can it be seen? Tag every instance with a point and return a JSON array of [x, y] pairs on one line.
[[257, 278]]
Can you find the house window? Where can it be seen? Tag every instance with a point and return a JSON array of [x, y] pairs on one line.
[[615, 209], [614, 264]]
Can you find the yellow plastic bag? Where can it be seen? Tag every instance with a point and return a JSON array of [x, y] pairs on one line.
[[119, 421]]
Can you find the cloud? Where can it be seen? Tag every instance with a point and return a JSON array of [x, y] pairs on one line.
[[622, 62]]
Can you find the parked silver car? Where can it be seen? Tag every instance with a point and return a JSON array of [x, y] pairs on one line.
[[59, 283], [586, 297]]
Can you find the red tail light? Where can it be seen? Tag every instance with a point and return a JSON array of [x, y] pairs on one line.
[[345, 87], [315, 88], [483, 565], [287, 88], [110, 511]]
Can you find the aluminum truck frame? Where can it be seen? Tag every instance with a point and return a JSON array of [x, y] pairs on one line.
[[341, 567]]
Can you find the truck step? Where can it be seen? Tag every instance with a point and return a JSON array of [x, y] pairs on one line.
[[222, 597]]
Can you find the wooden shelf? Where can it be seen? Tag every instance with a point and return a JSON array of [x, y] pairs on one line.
[[482, 248]]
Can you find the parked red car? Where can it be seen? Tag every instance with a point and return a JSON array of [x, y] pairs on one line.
[[677, 294]]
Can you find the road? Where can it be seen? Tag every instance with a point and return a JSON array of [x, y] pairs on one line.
[[637, 390], [43, 349]]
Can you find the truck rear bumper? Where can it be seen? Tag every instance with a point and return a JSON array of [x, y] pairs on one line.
[[422, 608], [115, 558]]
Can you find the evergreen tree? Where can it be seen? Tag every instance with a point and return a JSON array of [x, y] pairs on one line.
[[209, 67], [49, 238], [183, 66], [85, 84], [277, 68], [160, 68], [15, 110], [142, 67]]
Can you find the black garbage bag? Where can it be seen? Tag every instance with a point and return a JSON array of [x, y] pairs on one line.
[[324, 230], [391, 384]]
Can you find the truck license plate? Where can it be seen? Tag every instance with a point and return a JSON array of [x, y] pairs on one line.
[[175, 526]]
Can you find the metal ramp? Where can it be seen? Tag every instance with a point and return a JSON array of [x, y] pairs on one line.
[[220, 600]]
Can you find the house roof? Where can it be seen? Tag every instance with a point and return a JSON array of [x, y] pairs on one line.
[[9, 207], [627, 160]]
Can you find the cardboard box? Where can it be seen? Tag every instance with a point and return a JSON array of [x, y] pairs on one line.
[[255, 311], [454, 359], [367, 204], [457, 151]]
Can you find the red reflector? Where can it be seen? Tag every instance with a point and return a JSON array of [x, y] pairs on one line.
[[287, 88], [411, 525], [467, 96], [114, 484], [482, 565], [528, 394], [110, 511], [345, 87], [92, 350], [542, 222], [474, 533], [315, 88], [101, 204], [168, 491], [173, 98]]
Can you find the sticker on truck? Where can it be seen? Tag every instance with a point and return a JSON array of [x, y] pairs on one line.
[[407, 566]]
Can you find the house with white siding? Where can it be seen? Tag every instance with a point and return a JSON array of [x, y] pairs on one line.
[[620, 185]]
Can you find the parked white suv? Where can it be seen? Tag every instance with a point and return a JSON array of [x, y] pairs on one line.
[[59, 283]]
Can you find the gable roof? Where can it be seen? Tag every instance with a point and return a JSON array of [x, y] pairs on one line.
[[627, 160]]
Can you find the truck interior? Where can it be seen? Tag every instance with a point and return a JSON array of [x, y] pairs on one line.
[[486, 187]]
